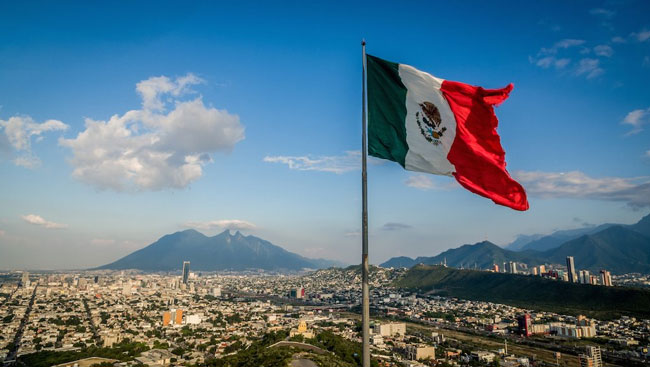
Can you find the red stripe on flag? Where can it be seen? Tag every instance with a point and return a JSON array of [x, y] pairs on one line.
[[476, 152]]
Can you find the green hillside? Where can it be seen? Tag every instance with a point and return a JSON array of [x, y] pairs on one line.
[[528, 291]]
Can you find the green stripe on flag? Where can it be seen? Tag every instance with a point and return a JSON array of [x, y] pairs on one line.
[[386, 111]]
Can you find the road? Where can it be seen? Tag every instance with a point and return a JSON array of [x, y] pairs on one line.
[[11, 357], [92, 323]]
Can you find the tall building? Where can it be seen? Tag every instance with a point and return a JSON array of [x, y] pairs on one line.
[[495, 268], [584, 277], [186, 271], [25, 279], [571, 268], [421, 351], [512, 267], [173, 317], [127, 289], [525, 325], [390, 329], [542, 269], [605, 278], [592, 358], [216, 292]]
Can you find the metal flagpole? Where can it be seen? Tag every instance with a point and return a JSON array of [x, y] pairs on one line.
[[365, 308]]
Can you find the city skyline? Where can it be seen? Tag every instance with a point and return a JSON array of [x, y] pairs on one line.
[[117, 128]]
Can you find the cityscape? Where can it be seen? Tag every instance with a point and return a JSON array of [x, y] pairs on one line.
[[385, 183], [195, 319]]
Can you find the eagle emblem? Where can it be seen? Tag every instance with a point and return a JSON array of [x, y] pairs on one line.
[[429, 121]]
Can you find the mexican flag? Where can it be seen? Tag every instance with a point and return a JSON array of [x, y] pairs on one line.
[[432, 125]]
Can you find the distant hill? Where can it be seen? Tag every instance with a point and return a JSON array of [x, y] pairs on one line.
[[481, 255], [522, 240], [559, 237], [642, 226], [538, 242], [224, 251], [528, 291], [398, 262], [617, 249]]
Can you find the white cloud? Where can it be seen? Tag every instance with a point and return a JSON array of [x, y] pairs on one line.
[[393, 226], [2, 232], [590, 68], [619, 39], [234, 224], [562, 44], [547, 57], [561, 63], [352, 234], [548, 61], [351, 161], [642, 36], [636, 119], [604, 50], [39, 221], [153, 88], [18, 133], [605, 13], [634, 191], [421, 182], [647, 154], [163, 145]]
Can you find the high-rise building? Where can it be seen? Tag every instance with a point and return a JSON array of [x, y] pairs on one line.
[[25, 279], [297, 292], [542, 269], [174, 316], [535, 270], [592, 357], [512, 267], [495, 268], [525, 325], [421, 351], [571, 269], [186, 271], [605, 278], [584, 277]]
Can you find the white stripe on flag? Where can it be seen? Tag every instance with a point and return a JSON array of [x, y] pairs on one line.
[[423, 155]]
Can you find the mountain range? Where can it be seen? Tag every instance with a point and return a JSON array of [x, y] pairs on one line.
[[617, 248], [224, 251]]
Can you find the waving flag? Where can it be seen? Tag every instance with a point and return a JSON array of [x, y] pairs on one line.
[[437, 126]]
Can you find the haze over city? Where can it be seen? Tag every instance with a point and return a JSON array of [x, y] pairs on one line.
[[117, 127]]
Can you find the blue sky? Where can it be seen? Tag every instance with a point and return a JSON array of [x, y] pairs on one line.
[[247, 115]]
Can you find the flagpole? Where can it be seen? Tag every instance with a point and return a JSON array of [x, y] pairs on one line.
[[365, 307]]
